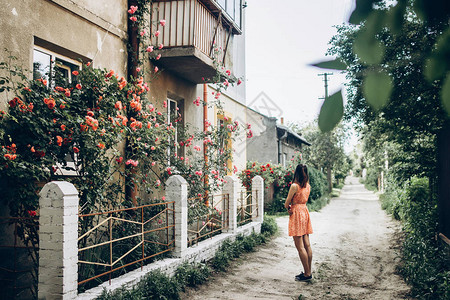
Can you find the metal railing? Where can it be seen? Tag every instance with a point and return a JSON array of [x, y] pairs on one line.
[[207, 221], [190, 23], [247, 207], [114, 242], [19, 248]]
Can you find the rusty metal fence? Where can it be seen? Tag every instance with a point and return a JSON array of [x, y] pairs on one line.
[[19, 249], [247, 207], [206, 221], [115, 242]]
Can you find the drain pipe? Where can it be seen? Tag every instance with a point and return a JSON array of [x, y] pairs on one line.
[[133, 58], [205, 146], [280, 146]]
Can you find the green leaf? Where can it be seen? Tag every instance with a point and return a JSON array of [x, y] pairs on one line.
[[377, 88], [2, 89], [335, 64], [331, 112], [368, 48], [361, 12], [434, 68], [445, 94], [395, 18], [2, 81]]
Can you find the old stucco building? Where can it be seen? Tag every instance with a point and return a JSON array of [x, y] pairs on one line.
[[64, 33]]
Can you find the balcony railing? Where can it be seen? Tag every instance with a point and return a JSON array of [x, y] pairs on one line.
[[191, 30]]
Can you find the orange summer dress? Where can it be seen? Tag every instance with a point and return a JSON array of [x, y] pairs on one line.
[[299, 221]]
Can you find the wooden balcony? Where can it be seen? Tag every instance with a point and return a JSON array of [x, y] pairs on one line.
[[193, 30]]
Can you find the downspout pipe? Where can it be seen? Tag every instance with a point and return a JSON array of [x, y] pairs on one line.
[[205, 146], [133, 62], [280, 148]]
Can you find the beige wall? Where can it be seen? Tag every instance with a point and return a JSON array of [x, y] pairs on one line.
[[236, 111], [93, 30]]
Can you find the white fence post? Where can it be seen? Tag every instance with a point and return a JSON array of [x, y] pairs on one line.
[[176, 190], [258, 196], [231, 187], [58, 241]]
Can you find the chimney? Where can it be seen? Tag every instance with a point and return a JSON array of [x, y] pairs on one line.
[[282, 121]]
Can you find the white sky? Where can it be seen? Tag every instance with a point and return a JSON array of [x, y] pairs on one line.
[[282, 38]]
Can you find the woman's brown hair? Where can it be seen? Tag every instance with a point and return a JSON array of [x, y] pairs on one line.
[[301, 175]]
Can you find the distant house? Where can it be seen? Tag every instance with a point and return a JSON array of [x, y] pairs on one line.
[[271, 142]]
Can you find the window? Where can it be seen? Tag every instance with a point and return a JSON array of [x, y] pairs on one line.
[[226, 143], [48, 64], [233, 9]]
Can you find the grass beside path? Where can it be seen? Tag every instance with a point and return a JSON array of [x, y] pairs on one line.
[[157, 285]]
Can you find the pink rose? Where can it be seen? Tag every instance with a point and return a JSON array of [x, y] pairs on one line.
[[160, 46], [162, 22], [134, 19], [158, 57], [149, 49], [157, 33], [132, 9]]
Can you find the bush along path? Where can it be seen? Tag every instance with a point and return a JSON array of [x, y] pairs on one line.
[[355, 256]]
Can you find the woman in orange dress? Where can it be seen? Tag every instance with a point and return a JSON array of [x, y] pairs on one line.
[[299, 222]]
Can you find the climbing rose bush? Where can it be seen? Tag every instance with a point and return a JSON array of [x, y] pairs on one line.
[[78, 131]]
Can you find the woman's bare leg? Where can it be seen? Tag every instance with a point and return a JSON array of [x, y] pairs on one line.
[[307, 246], [298, 241]]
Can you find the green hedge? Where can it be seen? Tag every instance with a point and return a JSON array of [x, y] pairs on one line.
[[317, 198], [318, 182], [425, 261], [426, 264]]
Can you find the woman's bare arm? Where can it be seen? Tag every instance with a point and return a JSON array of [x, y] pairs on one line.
[[292, 191]]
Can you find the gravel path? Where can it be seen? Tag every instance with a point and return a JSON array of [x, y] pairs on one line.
[[354, 257]]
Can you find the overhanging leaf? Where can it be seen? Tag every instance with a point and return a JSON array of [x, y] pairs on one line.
[[368, 48], [445, 94], [395, 18], [434, 68], [335, 64], [362, 10], [377, 88], [331, 112]]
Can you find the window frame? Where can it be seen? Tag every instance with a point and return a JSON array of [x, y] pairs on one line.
[[237, 9], [51, 83], [54, 56], [229, 142]]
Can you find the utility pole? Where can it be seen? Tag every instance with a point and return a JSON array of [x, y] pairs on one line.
[[328, 166], [325, 79]]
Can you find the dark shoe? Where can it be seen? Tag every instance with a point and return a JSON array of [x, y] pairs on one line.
[[298, 276], [302, 277]]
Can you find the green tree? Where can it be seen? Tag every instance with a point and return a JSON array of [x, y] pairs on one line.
[[412, 118], [379, 24], [326, 151]]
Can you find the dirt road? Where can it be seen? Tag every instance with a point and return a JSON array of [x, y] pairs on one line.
[[353, 257]]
